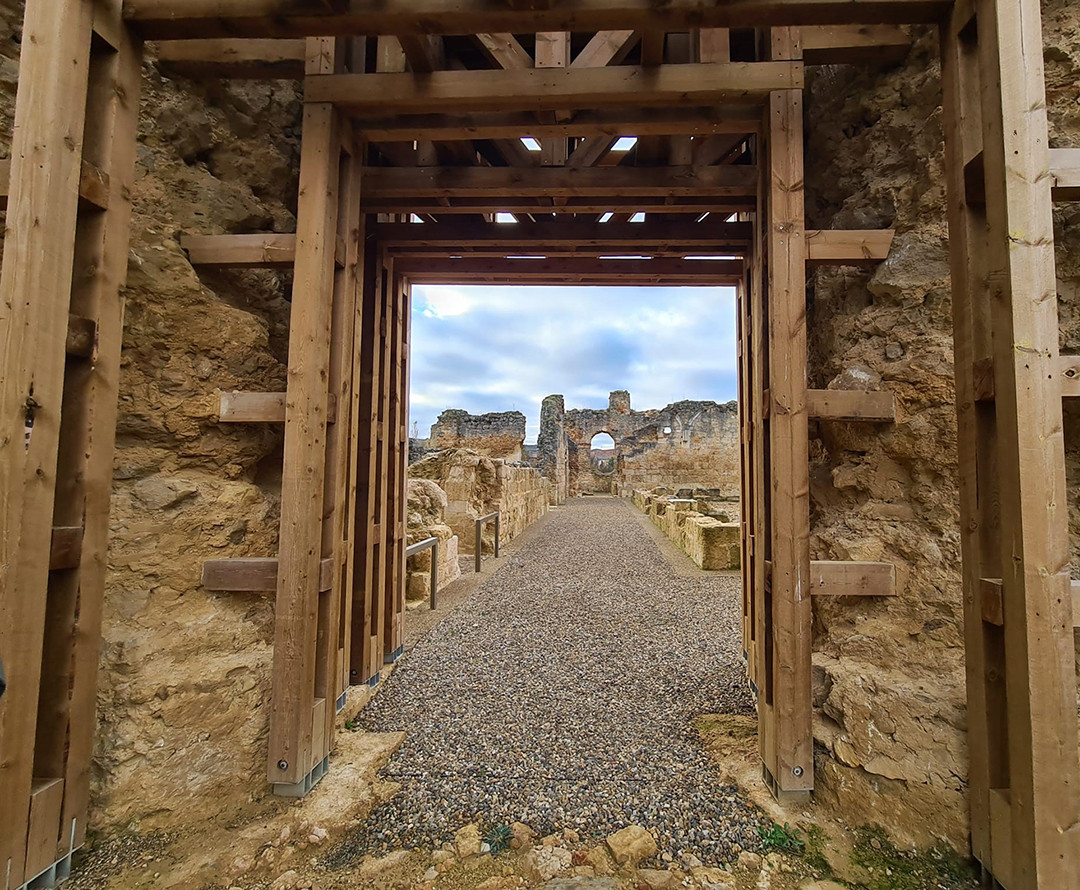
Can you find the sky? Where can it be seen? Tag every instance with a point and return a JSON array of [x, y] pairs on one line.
[[485, 348]]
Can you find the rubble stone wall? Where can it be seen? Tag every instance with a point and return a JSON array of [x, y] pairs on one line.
[[427, 519], [498, 434], [712, 541]]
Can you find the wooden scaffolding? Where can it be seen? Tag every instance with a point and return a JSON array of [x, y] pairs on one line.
[[419, 121]]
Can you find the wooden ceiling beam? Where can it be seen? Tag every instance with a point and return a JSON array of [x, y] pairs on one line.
[[587, 205], [566, 233], [550, 89], [188, 19], [543, 182], [854, 44], [687, 121], [236, 59], [606, 48], [505, 50], [466, 270]]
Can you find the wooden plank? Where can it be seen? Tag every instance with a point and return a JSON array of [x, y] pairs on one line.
[[1065, 168], [260, 250], [66, 548], [504, 50], [253, 574], [789, 461], [592, 205], [553, 52], [46, 801], [189, 19], [261, 407], [538, 89], [855, 44], [682, 120], [383, 522], [93, 185], [841, 404], [35, 292], [606, 48], [235, 59], [396, 474], [846, 578], [543, 182], [853, 247], [449, 270], [295, 625]]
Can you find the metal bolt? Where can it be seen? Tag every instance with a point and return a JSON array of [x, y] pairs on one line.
[[796, 771], [283, 764]]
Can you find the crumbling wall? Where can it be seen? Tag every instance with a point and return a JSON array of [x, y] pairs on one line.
[[552, 448], [426, 516], [888, 672], [185, 673], [703, 529], [498, 434], [476, 485], [685, 443]]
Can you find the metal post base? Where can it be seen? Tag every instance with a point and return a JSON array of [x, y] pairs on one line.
[[56, 873], [394, 656], [301, 788]]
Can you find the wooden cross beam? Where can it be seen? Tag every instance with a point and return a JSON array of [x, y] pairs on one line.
[[464, 270]]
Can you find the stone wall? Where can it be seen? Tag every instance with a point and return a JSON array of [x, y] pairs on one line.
[[476, 485], [684, 443], [426, 516], [498, 434], [709, 537]]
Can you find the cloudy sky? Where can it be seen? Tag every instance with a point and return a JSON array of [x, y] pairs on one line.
[[505, 348]]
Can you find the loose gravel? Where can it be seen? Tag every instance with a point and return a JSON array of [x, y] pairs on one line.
[[562, 695]]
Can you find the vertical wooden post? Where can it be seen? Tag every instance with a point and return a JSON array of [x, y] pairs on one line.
[[384, 536], [790, 766], [300, 545], [393, 635], [553, 51], [1024, 780]]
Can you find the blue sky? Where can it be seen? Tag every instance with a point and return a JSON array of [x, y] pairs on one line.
[[505, 348]]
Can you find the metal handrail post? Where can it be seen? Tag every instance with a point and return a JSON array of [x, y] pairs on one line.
[[420, 547], [480, 520]]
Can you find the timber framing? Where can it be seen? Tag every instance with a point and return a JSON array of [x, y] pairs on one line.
[[520, 155]]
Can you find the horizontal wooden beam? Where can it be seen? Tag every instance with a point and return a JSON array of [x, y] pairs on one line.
[[992, 607], [93, 185], [568, 270], [434, 206], [548, 182], [241, 59], [683, 120], [187, 19], [854, 44], [533, 89], [65, 551], [1065, 168], [253, 574], [261, 407], [256, 251], [573, 233], [1068, 378], [847, 247], [842, 578], [850, 404]]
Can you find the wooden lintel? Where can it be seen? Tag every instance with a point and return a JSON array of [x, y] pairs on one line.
[[253, 574], [846, 578], [532, 89], [854, 44], [261, 407], [431, 270], [65, 551], [1065, 169], [189, 19], [241, 59], [843, 404], [850, 247], [93, 185], [592, 205]]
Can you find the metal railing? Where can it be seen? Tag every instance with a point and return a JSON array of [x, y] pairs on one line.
[[420, 547], [479, 525]]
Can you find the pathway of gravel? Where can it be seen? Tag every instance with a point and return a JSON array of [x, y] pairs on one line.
[[562, 695]]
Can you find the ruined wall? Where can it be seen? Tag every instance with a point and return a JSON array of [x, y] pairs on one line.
[[552, 446], [476, 485], [706, 531], [888, 672], [686, 443], [498, 434], [426, 517], [185, 673]]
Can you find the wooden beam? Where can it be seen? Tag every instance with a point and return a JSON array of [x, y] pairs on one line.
[[424, 52], [606, 48], [261, 407], [993, 611], [235, 59], [256, 251], [681, 120], [843, 578], [82, 335], [253, 574], [93, 185], [436, 269], [66, 549], [855, 44], [187, 19], [568, 233], [1065, 168], [550, 89], [842, 404], [505, 51], [851, 247], [381, 183], [434, 206]]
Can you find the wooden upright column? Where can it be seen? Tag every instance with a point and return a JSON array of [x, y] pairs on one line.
[[64, 262], [784, 697], [1024, 779]]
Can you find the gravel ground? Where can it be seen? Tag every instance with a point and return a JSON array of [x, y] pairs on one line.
[[561, 695]]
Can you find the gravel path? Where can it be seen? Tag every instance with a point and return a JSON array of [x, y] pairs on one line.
[[562, 693]]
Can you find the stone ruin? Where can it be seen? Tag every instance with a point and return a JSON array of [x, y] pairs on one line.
[[497, 435]]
